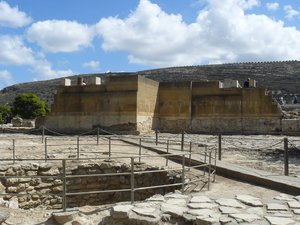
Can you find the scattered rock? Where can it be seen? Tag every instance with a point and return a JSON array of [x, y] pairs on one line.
[[64, 217], [120, 211]]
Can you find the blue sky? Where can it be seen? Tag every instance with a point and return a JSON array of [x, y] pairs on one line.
[[55, 38]]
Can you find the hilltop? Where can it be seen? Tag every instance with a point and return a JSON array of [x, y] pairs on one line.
[[280, 78]]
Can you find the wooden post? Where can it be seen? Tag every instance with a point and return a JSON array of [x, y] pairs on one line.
[[220, 147], [286, 157]]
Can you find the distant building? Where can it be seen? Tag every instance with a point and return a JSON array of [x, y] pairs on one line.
[[138, 104]]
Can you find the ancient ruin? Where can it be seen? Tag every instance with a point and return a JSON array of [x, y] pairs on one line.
[[138, 104]]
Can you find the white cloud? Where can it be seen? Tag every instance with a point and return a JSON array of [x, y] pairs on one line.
[[93, 65], [44, 70], [13, 51], [6, 78], [249, 4], [60, 35], [290, 12], [272, 6], [12, 17], [221, 33]]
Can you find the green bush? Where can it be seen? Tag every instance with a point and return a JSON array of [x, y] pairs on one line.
[[29, 106], [5, 114]]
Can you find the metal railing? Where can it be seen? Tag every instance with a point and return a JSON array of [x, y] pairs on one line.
[[65, 176]]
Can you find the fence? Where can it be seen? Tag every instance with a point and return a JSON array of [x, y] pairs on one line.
[[189, 156]]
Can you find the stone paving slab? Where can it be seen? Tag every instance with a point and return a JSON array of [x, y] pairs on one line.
[[224, 211]]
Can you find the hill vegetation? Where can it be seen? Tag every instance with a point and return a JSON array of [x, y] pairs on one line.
[[280, 78]]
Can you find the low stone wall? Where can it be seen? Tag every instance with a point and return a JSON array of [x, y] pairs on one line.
[[48, 191], [291, 125]]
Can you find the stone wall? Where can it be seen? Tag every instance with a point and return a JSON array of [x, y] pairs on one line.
[[47, 191], [205, 107], [137, 104]]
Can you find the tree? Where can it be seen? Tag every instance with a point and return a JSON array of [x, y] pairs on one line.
[[29, 106], [5, 114]]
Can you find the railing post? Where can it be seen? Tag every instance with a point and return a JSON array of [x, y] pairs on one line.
[[286, 157], [14, 151], [78, 148], [109, 148], [183, 173], [156, 137], [46, 150], [64, 200], [220, 147], [97, 135], [132, 180], [140, 149], [209, 169], [167, 158], [190, 156], [215, 166], [182, 140], [43, 134], [205, 156]]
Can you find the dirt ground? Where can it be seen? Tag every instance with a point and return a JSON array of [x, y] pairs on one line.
[[260, 151]]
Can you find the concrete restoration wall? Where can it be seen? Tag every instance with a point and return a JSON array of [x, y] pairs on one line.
[[138, 104]]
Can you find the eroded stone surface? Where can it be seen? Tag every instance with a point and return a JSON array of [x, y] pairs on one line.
[[276, 207], [148, 212], [283, 197], [120, 211], [64, 217], [296, 211], [243, 217], [158, 198], [4, 214], [279, 220], [174, 210], [228, 210], [249, 200], [200, 199], [202, 205], [229, 202], [294, 204]]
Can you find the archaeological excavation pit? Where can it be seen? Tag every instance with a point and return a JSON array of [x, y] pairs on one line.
[[61, 183]]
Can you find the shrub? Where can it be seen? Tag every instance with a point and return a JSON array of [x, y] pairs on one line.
[[29, 106], [5, 114]]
